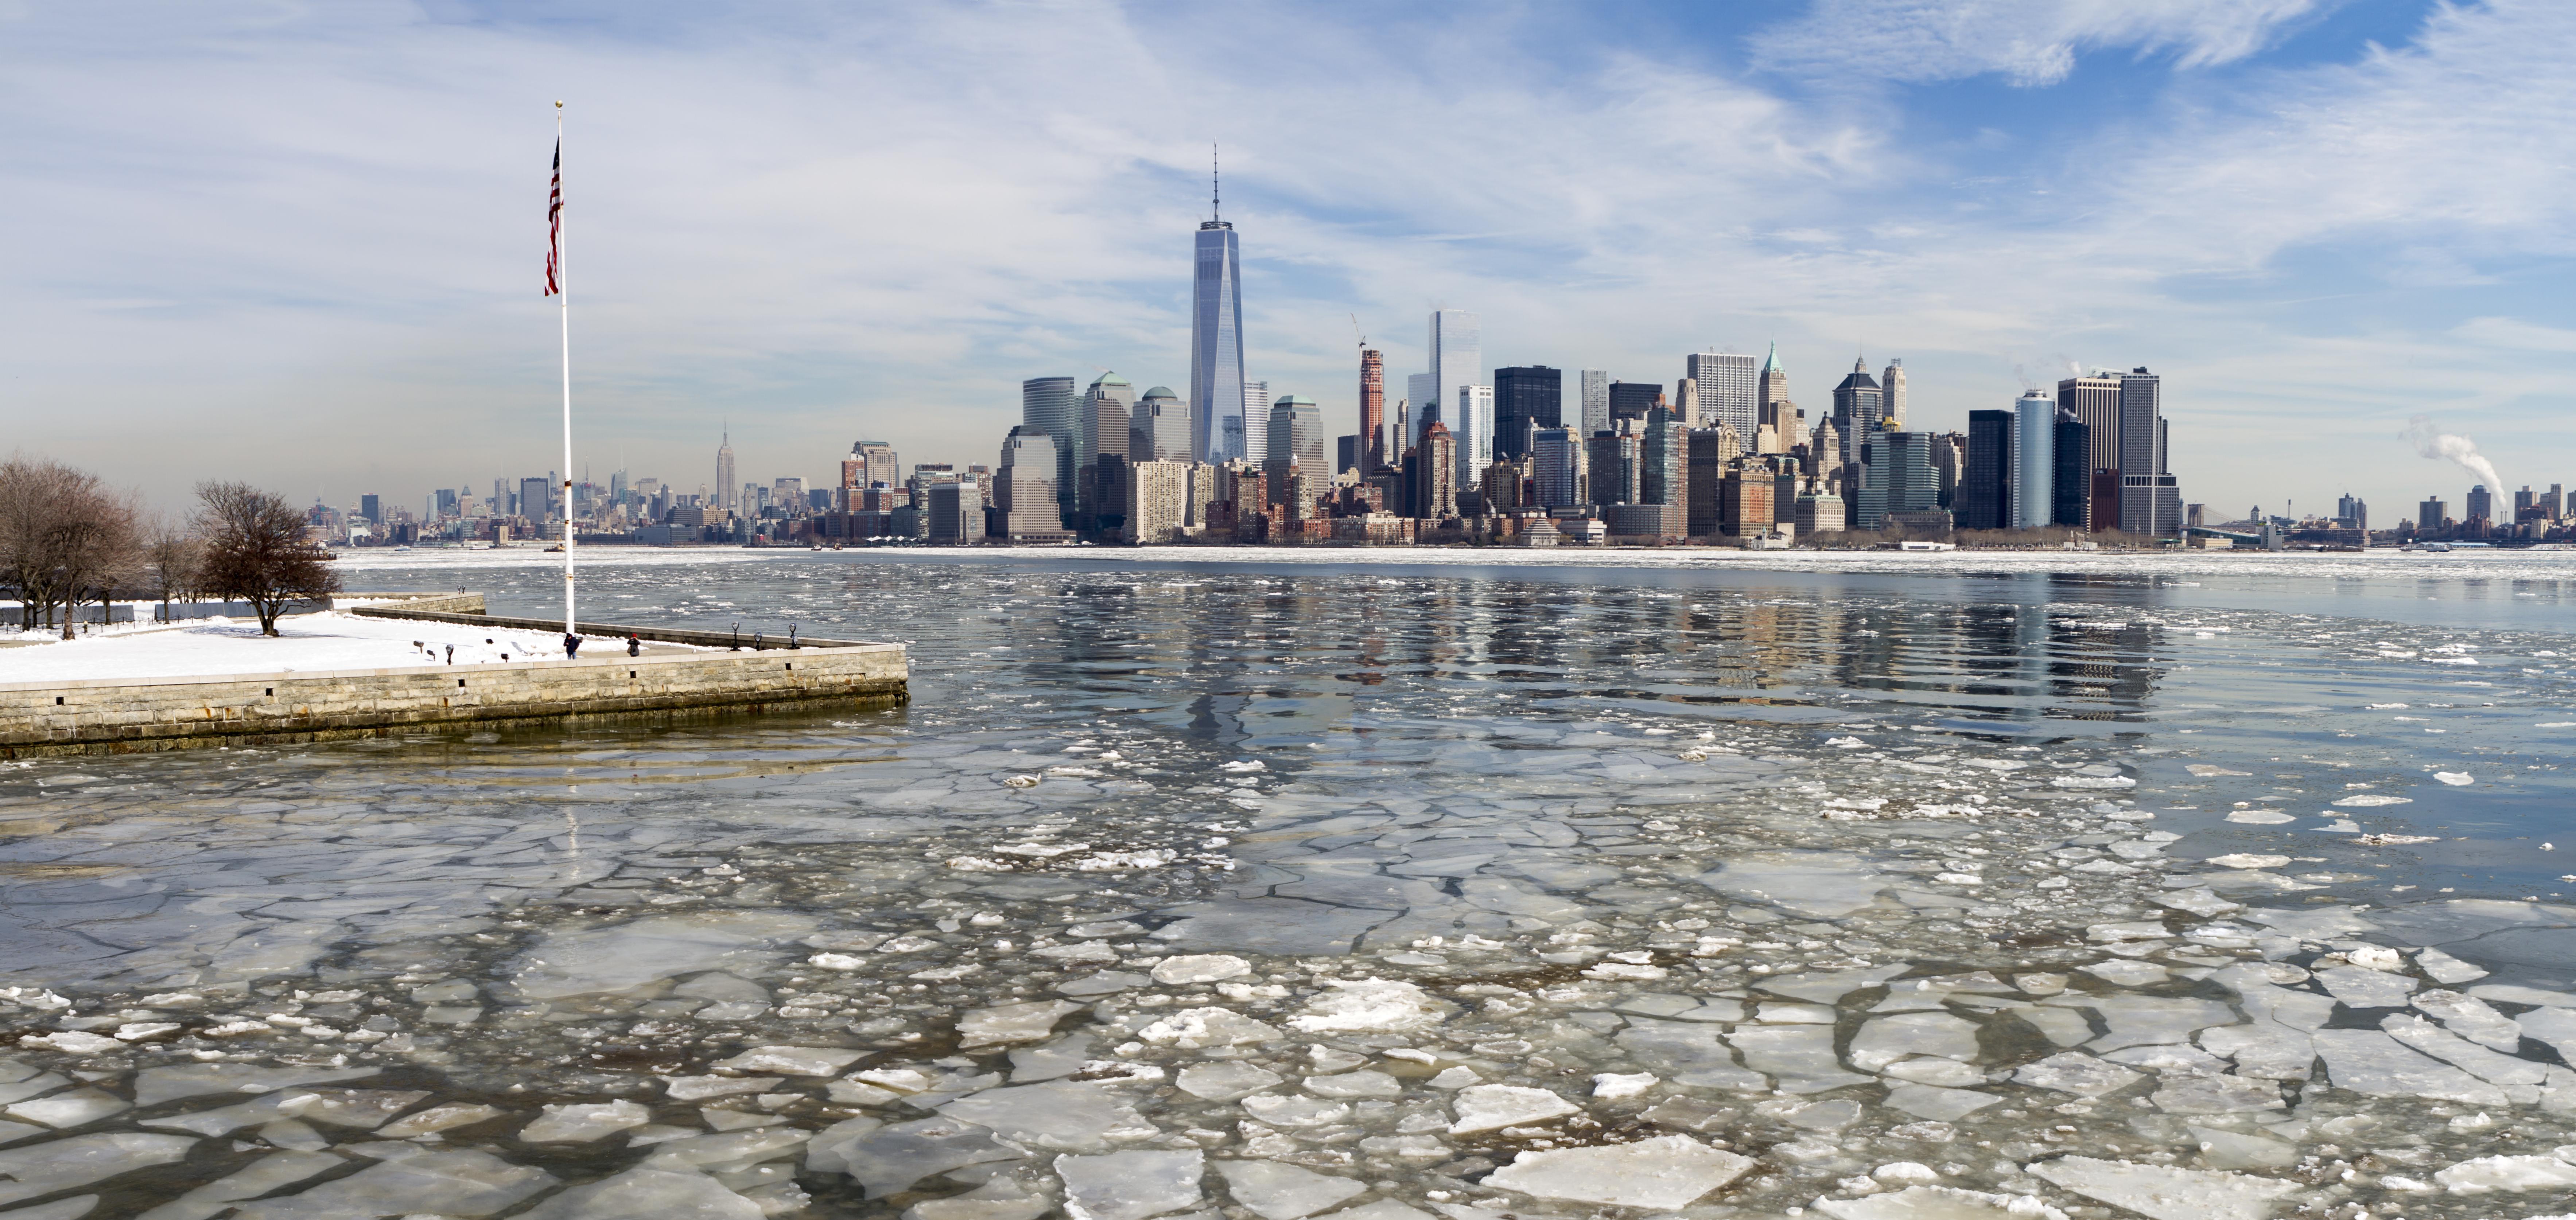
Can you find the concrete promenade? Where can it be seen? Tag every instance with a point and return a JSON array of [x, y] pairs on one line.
[[139, 715]]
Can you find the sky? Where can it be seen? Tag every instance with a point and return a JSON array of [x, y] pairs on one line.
[[302, 244]]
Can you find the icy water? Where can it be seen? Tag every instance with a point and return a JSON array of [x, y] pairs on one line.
[[1371, 890]]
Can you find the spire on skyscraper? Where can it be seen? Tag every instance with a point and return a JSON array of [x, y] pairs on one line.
[[1771, 363]]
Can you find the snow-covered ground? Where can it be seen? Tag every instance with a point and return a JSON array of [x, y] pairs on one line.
[[305, 643]]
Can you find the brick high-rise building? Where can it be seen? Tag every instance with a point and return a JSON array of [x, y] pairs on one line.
[[1372, 412]]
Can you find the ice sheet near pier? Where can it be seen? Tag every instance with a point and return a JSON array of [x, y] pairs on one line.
[[305, 643], [1355, 894]]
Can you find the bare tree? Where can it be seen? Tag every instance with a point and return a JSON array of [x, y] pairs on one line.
[[255, 550], [64, 539], [173, 558]]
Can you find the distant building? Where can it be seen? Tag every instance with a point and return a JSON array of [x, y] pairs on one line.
[[1820, 514], [1296, 440], [2432, 515], [1472, 420], [1372, 455], [1217, 425], [1632, 399], [2150, 500], [1457, 351], [1526, 398], [1707, 479], [1157, 430], [1421, 403], [1256, 433], [1158, 501], [2352, 514], [1024, 499], [1860, 410], [1906, 460], [1772, 404], [2034, 462], [1557, 467], [1100, 451], [1615, 463], [956, 511], [1595, 414], [724, 475], [1985, 500], [2480, 506], [536, 497], [1047, 405], [1663, 464], [2071, 489], [1349, 454], [372, 509], [1891, 391], [1729, 388], [1433, 474]]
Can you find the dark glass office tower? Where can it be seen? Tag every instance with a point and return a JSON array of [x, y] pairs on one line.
[[1984, 501], [2073, 490], [1525, 398]]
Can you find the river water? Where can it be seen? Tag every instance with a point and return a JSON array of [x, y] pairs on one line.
[[1371, 886]]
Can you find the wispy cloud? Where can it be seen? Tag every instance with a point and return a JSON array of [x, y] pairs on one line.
[[2028, 42]]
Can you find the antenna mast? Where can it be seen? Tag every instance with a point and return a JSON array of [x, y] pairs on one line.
[[1214, 182]]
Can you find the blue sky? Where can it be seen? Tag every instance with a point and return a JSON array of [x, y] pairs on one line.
[[302, 243]]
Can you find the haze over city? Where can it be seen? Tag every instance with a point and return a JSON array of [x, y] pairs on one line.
[[2314, 221]]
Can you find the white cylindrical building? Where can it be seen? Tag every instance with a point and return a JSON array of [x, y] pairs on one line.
[[2034, 460]]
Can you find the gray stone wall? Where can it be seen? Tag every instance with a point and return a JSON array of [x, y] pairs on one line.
[[115, 716]]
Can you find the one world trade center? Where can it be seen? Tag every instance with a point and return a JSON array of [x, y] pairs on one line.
[[1217, 420]]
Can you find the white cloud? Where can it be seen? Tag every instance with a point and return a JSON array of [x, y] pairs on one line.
[[2029, 42]]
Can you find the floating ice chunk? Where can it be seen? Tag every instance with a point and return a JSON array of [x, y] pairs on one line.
[[78, 1108], [1130, 1185], [2137, 1020], [1825, 987], [2455, 778], [1194, 1028], [72, 1042], [1387, 1209], [2371, 1062], [439, 1118], [794, 1060], [1623, 971], [1948, 1073], [2206, 770], [1292, 1111], [1939, 1203], [1003, 1197], [1661, 1173], [1795, 1014], [2369, 800], [2361, 987], [1355, 1084], [2471, 1018], [2263, 1049], [1061, 1114], [1884, 1040], [2477, 1060], [836, 961], [885, 1160], [2224, 1149], [2260, 817], [2489, 1174], [580, 1124], [59, 1165], [1284, 1192], [2093, 781], [458, 1183], [1002, 1023], [2163, 1192], [2196, 900], [1372, 1006], [1905, 1173], [648, 1192], [1243, 766], [1689, 1052], [1800, 1057], [1085, 951], [2248, 860], [1609, 1085], [2077, 1073], [1818, 884], [1454, 1078], [1200, 968], [271, 1172], [625, 956], [1940, 1104], [74, 1208], [1488, 1107], [2125, 972], [1225, 1081], [2203, 1094]]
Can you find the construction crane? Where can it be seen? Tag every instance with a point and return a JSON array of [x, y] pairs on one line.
[[1355, 329]]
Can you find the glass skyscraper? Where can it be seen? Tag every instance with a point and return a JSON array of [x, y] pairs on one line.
[[1217, 424]]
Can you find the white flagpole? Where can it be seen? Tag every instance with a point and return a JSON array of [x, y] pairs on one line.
[[563, 281]]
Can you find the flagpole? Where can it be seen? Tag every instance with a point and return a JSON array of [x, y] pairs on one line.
[[564, 281]]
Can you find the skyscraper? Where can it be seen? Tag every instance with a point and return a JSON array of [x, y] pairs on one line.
[[1372, 455], [724, 473], [1525, 398], [1046, 405], [1154, 429], [1633, 399], [2150, 501], [2480, 505], [2034, 461], [1772, 402], [1457, 358], [371, 508], [1217, 425], [1421, 404], [1730, 392], [2071, 492], [1985, 498], [1596, 403], [1101, 432], [1295, 443], [1860, 408], [1891, 388], [1556, 465], [2094, 401], [1473, 405], [1256, 422]]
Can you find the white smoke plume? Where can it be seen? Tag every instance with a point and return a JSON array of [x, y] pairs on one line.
[[2459, 449]]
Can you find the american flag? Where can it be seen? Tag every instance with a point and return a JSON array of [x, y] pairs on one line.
[[554, 226]]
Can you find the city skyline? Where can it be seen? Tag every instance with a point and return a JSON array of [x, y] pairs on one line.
[[221, 259]]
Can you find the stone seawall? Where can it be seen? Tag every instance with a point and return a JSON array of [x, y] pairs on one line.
[[140, 715]]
